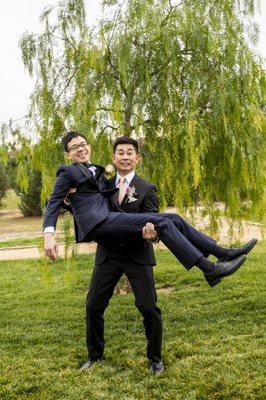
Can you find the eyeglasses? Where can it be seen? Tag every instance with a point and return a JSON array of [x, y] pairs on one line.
[[75, 147]]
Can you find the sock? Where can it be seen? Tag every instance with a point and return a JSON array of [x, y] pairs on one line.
[[205, 265], [219, 251]]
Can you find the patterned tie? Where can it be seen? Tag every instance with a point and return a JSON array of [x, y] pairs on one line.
[[122, 189]]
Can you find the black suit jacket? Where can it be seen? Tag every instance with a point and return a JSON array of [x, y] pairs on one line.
[[89, 204], [140, 251]]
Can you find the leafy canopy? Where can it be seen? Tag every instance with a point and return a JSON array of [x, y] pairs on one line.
[[179, 76]]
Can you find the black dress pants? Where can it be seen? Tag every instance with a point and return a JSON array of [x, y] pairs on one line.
[[186, 243], [104, 279]]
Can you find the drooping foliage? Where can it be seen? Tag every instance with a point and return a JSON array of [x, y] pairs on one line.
[[179, 76], [4, 183]]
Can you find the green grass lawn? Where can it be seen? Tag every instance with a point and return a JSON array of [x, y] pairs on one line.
[[27, 242], [213, 338]]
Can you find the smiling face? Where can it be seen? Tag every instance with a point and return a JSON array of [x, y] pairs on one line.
[[79, 151], [125, 158]]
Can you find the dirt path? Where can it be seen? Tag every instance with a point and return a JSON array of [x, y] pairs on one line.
[[13, 225], [25, 252]]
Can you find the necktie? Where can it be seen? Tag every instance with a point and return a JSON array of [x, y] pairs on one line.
[[122, 190]]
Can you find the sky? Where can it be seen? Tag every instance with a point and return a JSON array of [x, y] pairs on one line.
[[19, 16]]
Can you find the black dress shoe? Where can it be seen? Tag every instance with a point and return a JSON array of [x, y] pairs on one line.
[[89, 363], [235, 252], [86, 366], [156, 367], [222, 269]]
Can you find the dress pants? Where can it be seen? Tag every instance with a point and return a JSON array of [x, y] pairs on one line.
[[104, 279], [186, 243]]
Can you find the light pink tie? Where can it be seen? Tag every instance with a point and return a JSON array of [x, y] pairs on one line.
[[122, 190]]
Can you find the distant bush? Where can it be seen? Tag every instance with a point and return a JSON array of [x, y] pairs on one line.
[[4, 183], [30, 203], [11, 169]]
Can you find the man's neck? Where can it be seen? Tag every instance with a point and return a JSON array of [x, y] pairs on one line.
[[84, 162], [124, 173]]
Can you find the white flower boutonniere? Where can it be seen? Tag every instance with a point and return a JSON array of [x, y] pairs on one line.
[[109, 171], [131, 192]]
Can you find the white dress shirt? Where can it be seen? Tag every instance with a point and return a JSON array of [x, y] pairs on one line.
[[128, 179]]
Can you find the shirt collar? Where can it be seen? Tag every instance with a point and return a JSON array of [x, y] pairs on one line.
[[93, 169], [128, 177]]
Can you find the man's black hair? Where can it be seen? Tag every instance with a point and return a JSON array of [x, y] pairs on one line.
[[125, 140], [69, 136]]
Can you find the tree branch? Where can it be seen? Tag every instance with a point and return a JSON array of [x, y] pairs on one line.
[[177, 5], [109, 126], [109, 109], [66, 85]]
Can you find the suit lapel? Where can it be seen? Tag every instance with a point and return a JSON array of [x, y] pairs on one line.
[[85, 171], [99, 177]]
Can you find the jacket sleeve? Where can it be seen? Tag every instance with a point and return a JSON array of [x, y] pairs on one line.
[[63, 183], [151, 201]]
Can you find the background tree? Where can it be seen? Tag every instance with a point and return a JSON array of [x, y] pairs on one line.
[[30, 202], [178, 75], [17, 154], [4, 183]]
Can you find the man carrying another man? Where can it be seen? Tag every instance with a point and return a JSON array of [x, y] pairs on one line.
[[135, 259], [112, 230]]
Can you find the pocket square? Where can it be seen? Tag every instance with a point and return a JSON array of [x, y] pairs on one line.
[[132, 199]]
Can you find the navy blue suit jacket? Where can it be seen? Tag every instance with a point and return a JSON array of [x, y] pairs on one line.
[[140, 251], [89, 203]]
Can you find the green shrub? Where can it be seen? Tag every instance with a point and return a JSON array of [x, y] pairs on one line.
[[30, 202], [4, 183]]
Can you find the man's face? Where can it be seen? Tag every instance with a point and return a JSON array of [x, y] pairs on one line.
[[125, 158], [79, 151]]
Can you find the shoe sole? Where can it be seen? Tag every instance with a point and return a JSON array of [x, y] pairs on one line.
[[156, 372], [218, 280]]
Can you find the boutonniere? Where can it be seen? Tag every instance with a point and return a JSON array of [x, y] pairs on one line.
[[131, 192], [109, 171]]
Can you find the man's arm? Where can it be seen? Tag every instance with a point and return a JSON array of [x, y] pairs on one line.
[[150, 205], [61, 187], [62, 184]]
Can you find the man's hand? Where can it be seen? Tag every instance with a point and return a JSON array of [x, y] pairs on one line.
[[50, 246], [149, 233], [66, 200]]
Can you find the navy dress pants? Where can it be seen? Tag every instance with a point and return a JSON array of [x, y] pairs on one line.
[[186, 243], [103, 281]]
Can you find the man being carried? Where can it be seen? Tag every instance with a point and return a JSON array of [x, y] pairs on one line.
[[95, 221]]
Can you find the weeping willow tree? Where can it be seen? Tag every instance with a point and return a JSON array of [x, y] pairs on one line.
[[179, 76]]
